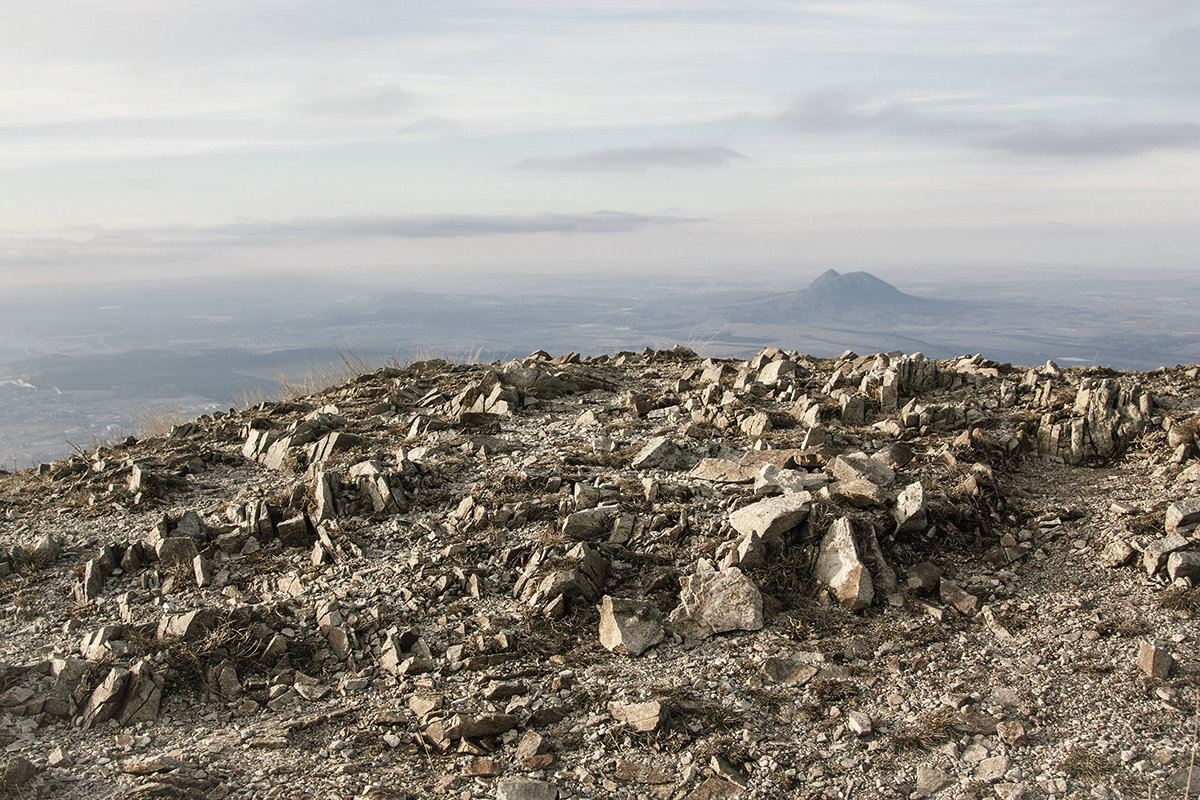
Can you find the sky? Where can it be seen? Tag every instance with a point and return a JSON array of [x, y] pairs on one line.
[[459, 139]]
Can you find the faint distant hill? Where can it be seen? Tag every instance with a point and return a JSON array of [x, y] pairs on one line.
[[852, 297]]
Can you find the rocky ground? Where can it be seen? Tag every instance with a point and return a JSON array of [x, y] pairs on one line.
[[645, 576]]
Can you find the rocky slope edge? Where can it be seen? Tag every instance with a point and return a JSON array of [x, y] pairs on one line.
[[648, 576]]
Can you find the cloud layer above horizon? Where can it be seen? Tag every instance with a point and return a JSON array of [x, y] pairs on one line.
[[140, 138]]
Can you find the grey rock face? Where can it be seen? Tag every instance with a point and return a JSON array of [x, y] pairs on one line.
[[1182, 514], [909, 511], [840, 568], [176, 551], [629, 626], [773, 517], [661, 453], [716, 602], [525, 789], [859, 466]]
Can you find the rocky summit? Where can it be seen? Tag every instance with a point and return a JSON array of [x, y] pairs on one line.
[[648, 575]]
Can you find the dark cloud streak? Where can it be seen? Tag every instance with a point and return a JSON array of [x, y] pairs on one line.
[[314, 230], [843, 113]]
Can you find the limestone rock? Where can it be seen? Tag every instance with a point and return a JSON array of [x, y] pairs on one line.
[[770, 479], [777, 372], [522, 789], [839, 567], [720, 470], [661, 453], [1183, 514], [859, 493], [715, 789], [177, 552], [909, 511], [930, 780], [859, 723], [964, 603], [143, 694], [1154, 557], [716, 602], [772, 517], [17, 772], [588, 525], [1184, 565], [106, 699], [629, 626], [1118, 553], [787, 671], [859, 466], [478, 725], [642, 717], [1154, 660]]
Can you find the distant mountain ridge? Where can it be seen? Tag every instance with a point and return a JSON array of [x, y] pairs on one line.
[[841, 297]]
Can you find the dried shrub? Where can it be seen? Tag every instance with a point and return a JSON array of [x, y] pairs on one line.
[[1082, 764], [1176, 598], [831, 691], [1126, 628], [927, 732]]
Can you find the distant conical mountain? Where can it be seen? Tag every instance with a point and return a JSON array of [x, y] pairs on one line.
[[852, 297]]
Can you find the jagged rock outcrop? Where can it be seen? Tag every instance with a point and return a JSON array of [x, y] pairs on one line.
[[1106, 416], [578, 575]]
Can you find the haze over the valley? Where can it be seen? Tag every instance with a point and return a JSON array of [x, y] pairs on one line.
[[198, 196]]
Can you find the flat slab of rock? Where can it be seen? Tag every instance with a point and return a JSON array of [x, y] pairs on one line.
[[860, 466], [642, 717], [720, 470], [772, 517], [632, 772], [714, 789], [716, 602], [1183, 514], [787, 671], [523, 789], [859, 493], [476, 725], [660, 453]]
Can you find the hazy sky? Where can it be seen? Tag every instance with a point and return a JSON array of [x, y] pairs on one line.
[[142, 137]]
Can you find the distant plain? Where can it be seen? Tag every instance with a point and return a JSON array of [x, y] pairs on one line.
[[84, 364]]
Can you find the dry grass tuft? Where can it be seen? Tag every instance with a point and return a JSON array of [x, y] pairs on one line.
[[785, 575], [348, 366], [831, 691], [158, 422], [1082, 764], [1126, 628], [434, 353], [931, 729], [1178, 599]]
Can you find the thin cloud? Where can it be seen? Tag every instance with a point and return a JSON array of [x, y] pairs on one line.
[[328, 229], [360, 104], [845, 113], [437, 226], [1098, 140], [637, 159]]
